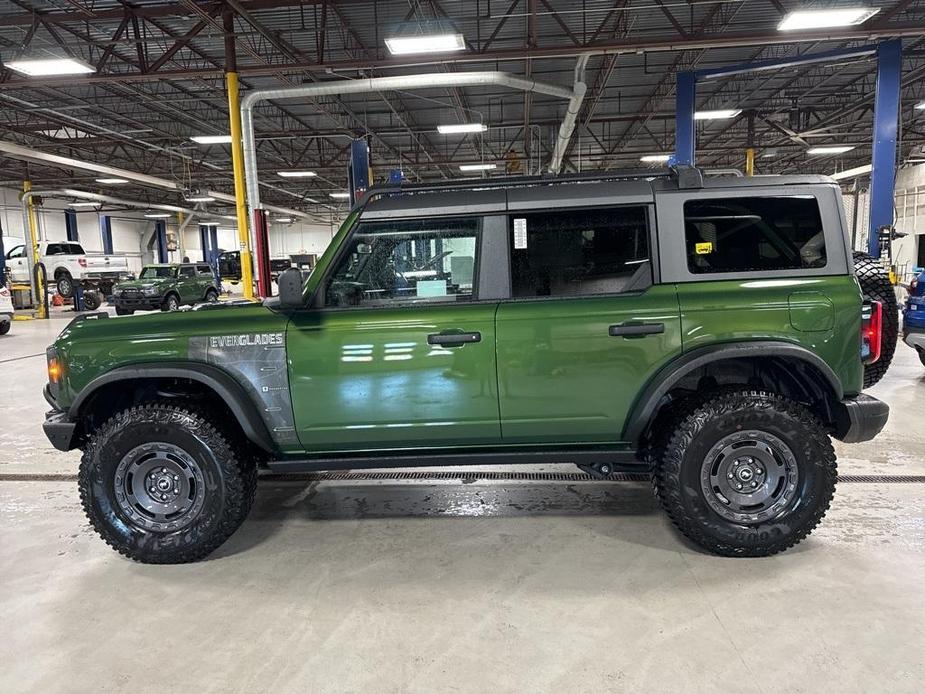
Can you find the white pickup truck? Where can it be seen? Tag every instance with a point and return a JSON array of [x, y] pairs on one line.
[[66, 263]]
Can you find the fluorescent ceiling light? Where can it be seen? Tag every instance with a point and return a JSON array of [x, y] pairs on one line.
[[112, 181], [822, 19], [339, 196], [45, 67], [920, 106], [200, 198], [283, 220], [429, 43], [462, 128], [835, 149], [296, 174], [211, 139], [719, 113], [655, 157], [853, 173], [85, 204], [477, 167], [157, 215]]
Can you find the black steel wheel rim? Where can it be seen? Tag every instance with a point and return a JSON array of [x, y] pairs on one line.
[[159, 486], [749, 477]]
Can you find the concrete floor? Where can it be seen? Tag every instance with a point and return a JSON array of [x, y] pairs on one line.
[[483, 587]]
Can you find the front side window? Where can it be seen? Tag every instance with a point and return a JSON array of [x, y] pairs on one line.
[[153, 272], [753, 234], [17, 252], [579, 252], [410, 261]]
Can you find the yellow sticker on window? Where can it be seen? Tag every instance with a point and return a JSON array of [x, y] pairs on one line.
[[704, 248]]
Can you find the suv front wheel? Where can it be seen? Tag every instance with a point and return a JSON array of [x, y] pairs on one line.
[[745, 473], [162, 484]]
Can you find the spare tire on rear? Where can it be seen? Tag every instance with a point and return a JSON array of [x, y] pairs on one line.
[[875, 285]]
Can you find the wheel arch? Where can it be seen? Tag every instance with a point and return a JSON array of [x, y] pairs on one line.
[[220, 384], [771, 357]]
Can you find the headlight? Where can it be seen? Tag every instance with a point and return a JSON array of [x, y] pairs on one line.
[[150, 290]]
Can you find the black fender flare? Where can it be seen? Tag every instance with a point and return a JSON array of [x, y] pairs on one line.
[[648, 401], [224, 386]]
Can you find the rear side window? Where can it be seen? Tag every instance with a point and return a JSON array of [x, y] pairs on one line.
[[579, 252], [187, 271], [204, 270], [753, 234]]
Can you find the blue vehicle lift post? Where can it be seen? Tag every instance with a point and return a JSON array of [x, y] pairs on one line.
[[106, 233], [886, 118], [160, 237], [70, 225], [358, 170]]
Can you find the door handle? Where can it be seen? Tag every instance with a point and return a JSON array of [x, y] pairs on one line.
[[453, 339], [636, 329]]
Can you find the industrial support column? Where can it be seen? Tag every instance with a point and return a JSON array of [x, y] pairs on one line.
[[886, 120], [237, 154], [750, 149]]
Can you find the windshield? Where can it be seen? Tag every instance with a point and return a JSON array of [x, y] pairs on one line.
[[155, 273]]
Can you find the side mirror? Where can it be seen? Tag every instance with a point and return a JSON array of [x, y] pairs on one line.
[[364, 249], [290, 288]]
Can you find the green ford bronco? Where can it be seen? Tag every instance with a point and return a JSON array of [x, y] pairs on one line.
[[165, 287], [711, 331]]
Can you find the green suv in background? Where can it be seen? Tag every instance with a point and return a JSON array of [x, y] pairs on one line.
[[166, 287], [710, 331]]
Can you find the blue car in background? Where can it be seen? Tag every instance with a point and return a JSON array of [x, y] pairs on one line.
[[914, 316]]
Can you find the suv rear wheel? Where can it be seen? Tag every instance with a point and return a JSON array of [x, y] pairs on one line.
[[745, 473], [162, 484]]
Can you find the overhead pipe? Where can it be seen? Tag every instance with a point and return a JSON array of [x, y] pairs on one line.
[[431, 80], [571, 114]]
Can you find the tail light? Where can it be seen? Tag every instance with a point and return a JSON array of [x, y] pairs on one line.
[[871, 331], [4, 291], [82, 262]]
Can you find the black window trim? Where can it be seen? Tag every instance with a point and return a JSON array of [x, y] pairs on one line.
[[653, 251]]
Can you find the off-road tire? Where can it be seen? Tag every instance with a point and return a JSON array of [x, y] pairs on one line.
[[229, 475], [171, 303], [875, 285], [64, 283], [92, 300], [681, 453], [211, 296], [5, 326], [124, 311]]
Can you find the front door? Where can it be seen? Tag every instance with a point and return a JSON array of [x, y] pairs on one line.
[[585, 329], [402, 352]]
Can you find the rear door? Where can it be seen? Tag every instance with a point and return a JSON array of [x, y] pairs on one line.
[[586, 326], [187, 284], [400, 352]]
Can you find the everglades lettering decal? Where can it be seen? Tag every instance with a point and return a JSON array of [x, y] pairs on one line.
[[246, 340]]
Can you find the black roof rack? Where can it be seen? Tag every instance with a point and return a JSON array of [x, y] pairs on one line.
[[380, 190]]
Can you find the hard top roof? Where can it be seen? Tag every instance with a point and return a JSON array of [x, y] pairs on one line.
[[511, 194]]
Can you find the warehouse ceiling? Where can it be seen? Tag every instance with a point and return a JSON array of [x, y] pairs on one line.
[[159, 79]]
